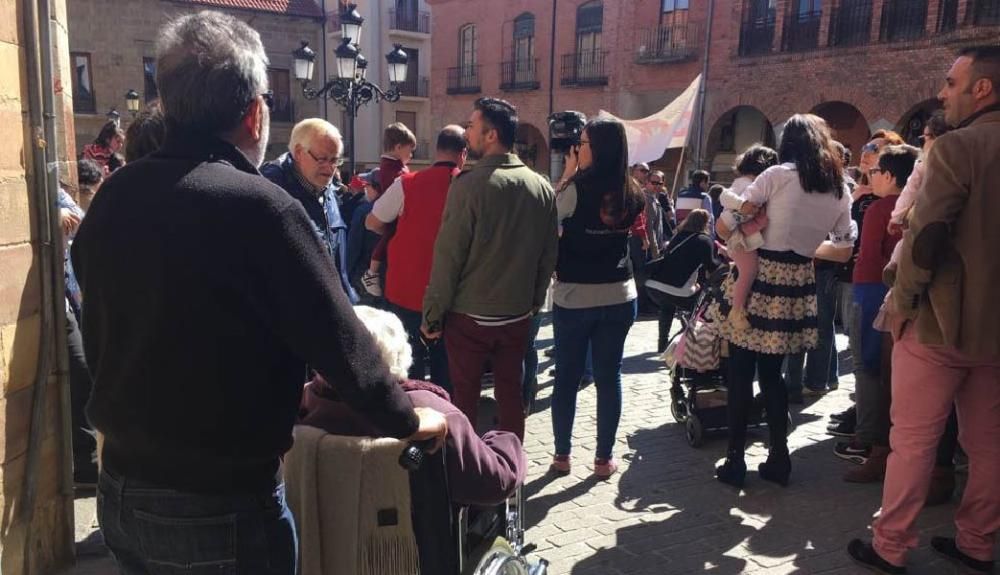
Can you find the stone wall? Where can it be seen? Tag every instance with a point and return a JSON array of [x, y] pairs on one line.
[[49, 538]]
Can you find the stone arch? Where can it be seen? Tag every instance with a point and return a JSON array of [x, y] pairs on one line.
[[734, 131], [531, 147], [847, 123], [911, 125]]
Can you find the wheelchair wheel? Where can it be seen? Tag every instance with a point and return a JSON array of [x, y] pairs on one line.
[[498, 559], [694, 431]]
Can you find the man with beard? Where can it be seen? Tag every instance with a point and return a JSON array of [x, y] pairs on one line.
[[493, 259], [207, 294]]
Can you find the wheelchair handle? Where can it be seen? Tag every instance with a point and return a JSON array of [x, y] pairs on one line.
[[413, 455]]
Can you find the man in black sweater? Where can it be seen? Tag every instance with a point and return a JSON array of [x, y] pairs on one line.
[[207, 293]]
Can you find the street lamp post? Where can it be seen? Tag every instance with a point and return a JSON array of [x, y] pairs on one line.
[[351, 89], [132, 102]]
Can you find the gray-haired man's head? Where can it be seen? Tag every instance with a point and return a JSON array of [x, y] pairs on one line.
[[211, 71]]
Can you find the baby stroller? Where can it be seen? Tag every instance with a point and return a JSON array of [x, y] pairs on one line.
[[698, 391]]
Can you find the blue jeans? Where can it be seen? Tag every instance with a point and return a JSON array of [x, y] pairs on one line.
[[604, 329], [155, 530], [820, 363]]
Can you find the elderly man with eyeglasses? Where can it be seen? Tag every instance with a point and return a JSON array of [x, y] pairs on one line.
[[307, 172]]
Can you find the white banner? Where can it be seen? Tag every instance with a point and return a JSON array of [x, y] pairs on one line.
[[669, 128]]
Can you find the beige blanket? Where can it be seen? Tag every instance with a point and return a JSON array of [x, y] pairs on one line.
[[337, 488]]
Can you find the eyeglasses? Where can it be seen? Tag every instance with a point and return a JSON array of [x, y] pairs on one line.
[[874, 171], [869, 148], [268, 99], [334, 161], [652, 183]]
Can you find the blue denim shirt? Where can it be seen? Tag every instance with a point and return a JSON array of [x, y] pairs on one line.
[[325, 216]]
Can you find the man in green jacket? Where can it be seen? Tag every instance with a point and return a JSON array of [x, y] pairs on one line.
[[493, 259]]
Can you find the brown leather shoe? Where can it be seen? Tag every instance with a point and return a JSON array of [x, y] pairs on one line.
[[873, 470], [942, 486]]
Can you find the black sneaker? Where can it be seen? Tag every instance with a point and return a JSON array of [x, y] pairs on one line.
[[853, 451], [849, 414], [946, 546], [841, 429], [864, 554]]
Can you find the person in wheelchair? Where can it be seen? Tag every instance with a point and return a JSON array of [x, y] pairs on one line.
[[688, 259], [480, 471]]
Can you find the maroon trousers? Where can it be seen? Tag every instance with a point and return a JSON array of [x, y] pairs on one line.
[[470, 346]]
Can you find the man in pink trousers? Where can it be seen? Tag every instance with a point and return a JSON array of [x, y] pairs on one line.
[[947, 332]]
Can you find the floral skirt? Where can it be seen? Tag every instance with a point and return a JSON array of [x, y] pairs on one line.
[[781, 308]]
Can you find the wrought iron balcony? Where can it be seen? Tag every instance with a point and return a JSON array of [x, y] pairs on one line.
[[410, 21], [584, 68], [903, 20], [984, 12], [665, 44], [851, 23], [801, 32], [415, 87], [464, 80], [519, 75], [756, 34]]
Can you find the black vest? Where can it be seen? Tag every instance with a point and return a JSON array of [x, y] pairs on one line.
[[590, 251]]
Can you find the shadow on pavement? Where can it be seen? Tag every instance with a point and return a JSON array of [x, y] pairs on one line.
[[707, 527]]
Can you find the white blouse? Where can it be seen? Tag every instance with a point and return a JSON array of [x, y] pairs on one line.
[[799, 221]]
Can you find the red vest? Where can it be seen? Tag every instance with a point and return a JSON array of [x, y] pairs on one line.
[[411, 250]]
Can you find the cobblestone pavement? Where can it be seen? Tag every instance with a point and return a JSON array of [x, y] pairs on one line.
[[663, 513]]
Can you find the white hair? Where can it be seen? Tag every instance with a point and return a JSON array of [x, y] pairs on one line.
[[306, 131], [390, 337]]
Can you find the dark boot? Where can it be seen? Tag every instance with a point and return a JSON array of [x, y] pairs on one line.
[[947, 547], [733, 471], [873, 470], [777, 468], [866, 556], [942, 486]]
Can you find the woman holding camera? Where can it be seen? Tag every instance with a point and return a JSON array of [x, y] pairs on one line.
[[594, 292]]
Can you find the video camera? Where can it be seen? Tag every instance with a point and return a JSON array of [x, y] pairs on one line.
[[565, 129]]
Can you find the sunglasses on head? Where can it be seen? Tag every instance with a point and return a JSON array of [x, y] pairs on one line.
[[870, 147]]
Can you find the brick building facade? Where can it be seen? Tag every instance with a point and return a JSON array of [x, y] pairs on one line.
[[629, 58], [861, 64], [111, 44]]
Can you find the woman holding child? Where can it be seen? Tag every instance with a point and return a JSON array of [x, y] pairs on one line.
[[807, 202]]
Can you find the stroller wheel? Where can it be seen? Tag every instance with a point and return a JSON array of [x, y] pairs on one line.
[[678, 410], [694, 431]]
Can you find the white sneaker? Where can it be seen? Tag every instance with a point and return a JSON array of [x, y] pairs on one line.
[[371, 282]]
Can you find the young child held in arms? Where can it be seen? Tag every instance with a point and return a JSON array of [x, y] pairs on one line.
[[745, 221], [398, 144]]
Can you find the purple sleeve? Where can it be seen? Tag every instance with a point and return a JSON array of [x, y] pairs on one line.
[[481, 470]]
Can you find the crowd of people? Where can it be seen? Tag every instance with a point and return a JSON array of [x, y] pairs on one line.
[[206, 287]]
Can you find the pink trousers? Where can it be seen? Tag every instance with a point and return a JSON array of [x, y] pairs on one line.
[[926, 381]]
